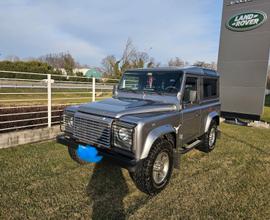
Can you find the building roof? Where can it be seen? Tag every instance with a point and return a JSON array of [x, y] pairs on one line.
[[82, 70], [94, 72]]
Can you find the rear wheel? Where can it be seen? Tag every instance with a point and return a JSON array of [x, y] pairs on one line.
[[73, 154], [154, 173], [209, 139]]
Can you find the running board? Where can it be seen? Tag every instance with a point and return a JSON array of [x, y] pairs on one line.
[[190, 147]]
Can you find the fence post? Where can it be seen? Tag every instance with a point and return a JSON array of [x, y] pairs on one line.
[[49, 92], [93, 89]]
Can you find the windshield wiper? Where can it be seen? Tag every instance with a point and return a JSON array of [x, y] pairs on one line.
[[154, 91]]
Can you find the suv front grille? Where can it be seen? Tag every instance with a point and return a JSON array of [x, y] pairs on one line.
[[92, 130]]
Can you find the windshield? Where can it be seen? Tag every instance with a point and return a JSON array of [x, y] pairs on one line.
[[157, 82]]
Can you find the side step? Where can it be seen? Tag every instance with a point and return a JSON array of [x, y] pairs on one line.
[[190, 146]]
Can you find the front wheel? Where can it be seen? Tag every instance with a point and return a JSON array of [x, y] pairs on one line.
[[154, 172], [209, 139]]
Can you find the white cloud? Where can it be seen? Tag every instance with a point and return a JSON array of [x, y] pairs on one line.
[[92, 29]]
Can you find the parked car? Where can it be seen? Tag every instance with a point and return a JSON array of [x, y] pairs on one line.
[[154, 116]]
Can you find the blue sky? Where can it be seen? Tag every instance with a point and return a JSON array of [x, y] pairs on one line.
[[92, 29]]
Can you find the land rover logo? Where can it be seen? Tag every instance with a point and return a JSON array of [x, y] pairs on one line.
[[246, 21]]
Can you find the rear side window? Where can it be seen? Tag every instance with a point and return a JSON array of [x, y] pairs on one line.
[[209, 88]]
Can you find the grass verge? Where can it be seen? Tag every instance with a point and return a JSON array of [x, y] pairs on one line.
[[266, 112], [232, 182], [39, 96]]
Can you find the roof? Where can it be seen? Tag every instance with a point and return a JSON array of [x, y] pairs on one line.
[[94, 72], [189, 69]]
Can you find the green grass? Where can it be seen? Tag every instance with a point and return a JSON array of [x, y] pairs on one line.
[[232, 182], [59, 96], [266, 113]]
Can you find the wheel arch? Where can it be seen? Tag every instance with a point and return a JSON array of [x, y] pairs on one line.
[[212, 116], [164, 131]]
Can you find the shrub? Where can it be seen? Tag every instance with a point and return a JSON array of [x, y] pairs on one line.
[[34, 67]]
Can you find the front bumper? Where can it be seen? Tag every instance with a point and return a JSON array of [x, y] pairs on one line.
[[110, 154]]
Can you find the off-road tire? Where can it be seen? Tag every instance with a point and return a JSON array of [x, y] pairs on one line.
[[205, 146], [143, 175], [73, 154]]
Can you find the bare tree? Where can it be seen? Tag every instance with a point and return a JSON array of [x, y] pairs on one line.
[[12, 58], [176, 62], [60, 60], [139, 59], [78, 65], [108, 64], [131, 58], [129, 51], [152, 63], [126, 61], [212, 65]]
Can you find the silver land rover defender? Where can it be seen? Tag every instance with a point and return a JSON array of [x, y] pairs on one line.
[[154, 116]]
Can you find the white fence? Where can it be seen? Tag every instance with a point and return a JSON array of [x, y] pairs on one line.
[[34, 100]]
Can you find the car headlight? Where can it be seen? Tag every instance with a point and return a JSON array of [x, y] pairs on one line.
[[68, 120], [123, 135]]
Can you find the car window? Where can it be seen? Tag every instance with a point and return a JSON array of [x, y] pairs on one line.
[[190, 90], [161, 82], [209, 88], [131, 82]]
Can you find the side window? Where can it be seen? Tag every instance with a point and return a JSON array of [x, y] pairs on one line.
[[190, 91], [209, 88], [130, 82]]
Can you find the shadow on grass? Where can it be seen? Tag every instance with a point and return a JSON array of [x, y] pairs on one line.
[[107, 189], [246, 143]]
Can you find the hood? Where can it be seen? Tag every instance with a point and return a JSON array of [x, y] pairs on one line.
[[118, 107]]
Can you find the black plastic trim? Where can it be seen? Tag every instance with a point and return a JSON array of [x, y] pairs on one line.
[[121, 160], [230, 115]]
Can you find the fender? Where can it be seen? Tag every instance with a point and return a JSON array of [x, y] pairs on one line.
[[209, 119], [153, 136]]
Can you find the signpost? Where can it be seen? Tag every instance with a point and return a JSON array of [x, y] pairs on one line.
[[244, 57]]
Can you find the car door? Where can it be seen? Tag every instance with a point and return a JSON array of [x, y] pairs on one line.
[[191, 109]]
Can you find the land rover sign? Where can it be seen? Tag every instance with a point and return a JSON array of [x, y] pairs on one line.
[[246, 21], [244, 57]]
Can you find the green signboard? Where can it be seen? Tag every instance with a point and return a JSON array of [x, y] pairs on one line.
[[246, 21]]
